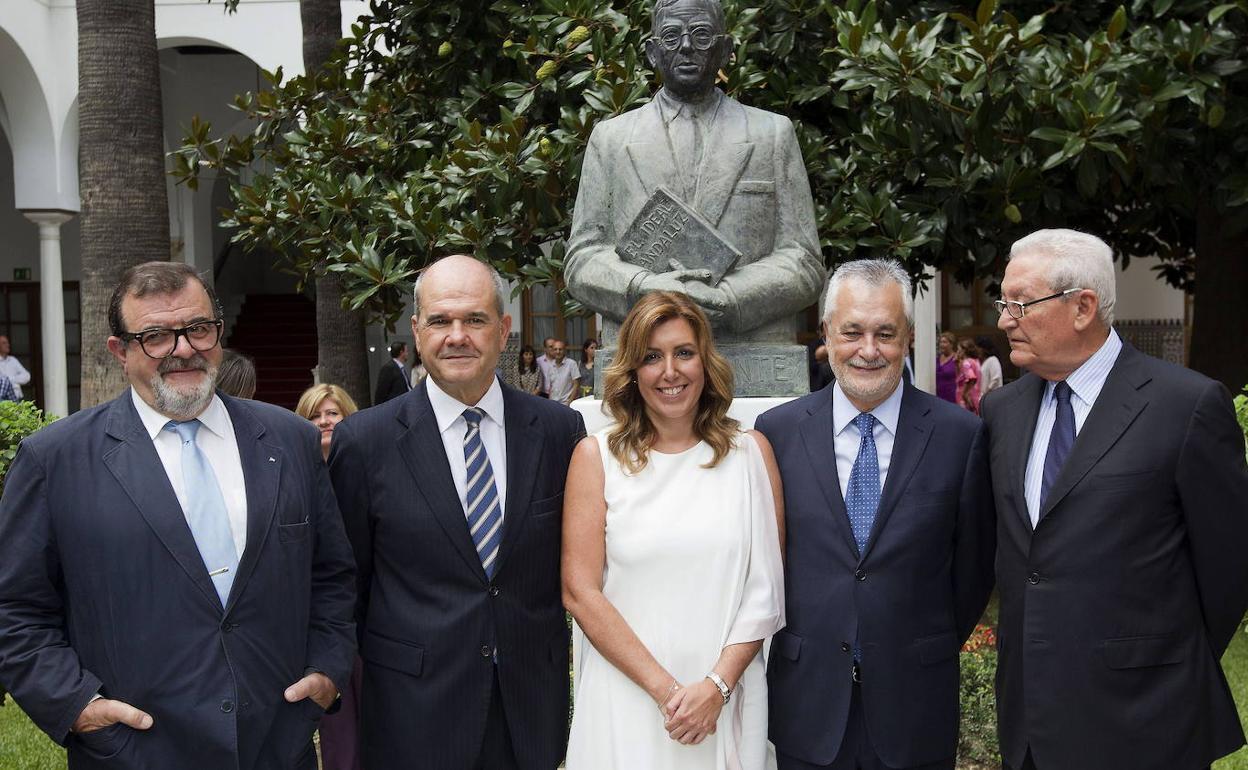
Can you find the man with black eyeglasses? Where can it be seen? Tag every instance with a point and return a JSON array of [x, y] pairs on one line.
[[1120, 489], [176, 587]]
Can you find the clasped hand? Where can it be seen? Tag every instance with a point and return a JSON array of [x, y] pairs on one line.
[[713, 300], [105, 712], [692, 712]]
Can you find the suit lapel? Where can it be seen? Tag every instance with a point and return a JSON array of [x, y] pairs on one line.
[[137, 467], [524, 452], [420, 446], [652, 158], [1024, 410], [262, 472], [721, 169], [1116, 407], [914, 429], [817, 435]]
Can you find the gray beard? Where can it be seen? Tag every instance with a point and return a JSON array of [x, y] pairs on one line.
[[184, 404]]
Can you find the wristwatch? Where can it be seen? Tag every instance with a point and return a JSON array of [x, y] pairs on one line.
[[724, 690]]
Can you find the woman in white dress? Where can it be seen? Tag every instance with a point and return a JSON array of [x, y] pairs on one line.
[[672, 536]]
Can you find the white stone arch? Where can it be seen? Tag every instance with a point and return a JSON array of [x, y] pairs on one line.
[[39, 170]]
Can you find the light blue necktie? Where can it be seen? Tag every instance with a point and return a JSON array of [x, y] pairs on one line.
[[205, 510], [862, 494], [485, 515]]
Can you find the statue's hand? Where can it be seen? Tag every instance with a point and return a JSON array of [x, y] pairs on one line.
[[674, 280], [713, 301]]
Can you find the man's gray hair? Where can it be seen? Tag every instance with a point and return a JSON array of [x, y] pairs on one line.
[[714, 7], [1075, 260], [500, 286], [872, 272]]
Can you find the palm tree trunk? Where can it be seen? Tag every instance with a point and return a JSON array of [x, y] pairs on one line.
[[121, 168], [1220, 316], [340, 346]]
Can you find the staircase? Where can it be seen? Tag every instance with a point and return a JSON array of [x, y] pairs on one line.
[[279, 332]]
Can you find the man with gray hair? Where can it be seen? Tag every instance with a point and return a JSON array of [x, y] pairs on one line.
[[453, 496], [1120, 485], [889, 520]]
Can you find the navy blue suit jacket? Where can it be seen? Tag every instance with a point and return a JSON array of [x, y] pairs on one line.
[[429, 619], [102, 589], [910, 600]]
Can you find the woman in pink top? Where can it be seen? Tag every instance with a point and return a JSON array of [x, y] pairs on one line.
[[968, 375]]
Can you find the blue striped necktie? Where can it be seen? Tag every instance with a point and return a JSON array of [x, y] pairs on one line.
[[205, 510], [485, 515]]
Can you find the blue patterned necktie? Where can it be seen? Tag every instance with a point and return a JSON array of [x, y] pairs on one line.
[[485, 515], [205, 510], [1060, 440], [862, 494]]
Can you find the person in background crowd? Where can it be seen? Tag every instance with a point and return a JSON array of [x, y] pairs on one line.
[[325, 406], [675, 605], [12, 368], [1121, 531], [947, 367], [990, 374], [7, 391], [530, 376], [968, 375], [393, 379], [589, 348], [562, 375], [452, 497], [175, 584], [418, 369], [237, 375], [888, 509], [544, 362], [817, 363]]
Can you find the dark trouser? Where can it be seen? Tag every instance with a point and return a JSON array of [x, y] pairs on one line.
[[340, 732], [496, 750], [1030, 764], [856, 752]]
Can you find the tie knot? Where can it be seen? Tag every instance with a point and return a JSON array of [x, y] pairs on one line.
[[473, 417], [1062, 392], [185, 430], [865, 422]]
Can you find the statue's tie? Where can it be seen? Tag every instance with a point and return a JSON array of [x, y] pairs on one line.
[[1060, 440], [205, 511], [862, 494], [485, 514]]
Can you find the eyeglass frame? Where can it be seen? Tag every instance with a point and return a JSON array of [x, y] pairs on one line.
[[715, 38], [218, 323], [1004, 305]]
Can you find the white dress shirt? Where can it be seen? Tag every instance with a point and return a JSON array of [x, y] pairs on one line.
[[453, 427], [847, 439], [561, 380], [12, 368], [216, 440], [1085, 385]]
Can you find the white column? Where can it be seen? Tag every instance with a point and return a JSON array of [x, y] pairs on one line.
[[926, 320], [52, 309]]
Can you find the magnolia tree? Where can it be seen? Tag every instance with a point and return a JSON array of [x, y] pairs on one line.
[[932, 133]]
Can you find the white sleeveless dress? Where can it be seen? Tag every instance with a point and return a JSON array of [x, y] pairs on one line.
[[693, 565]]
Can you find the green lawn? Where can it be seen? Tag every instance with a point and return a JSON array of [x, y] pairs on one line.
[[23, 746]]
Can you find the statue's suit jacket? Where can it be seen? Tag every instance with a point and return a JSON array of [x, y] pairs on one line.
[[751, 186], [429, 618], [910, 600], [1116, 608], [102, 589]]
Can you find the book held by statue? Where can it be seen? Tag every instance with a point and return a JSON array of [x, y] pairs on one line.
[[668, 234]]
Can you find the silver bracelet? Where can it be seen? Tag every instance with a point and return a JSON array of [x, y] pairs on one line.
[[725, 691]]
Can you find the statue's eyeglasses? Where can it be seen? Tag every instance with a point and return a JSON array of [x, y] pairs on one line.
[[701, 38], [160, 343]]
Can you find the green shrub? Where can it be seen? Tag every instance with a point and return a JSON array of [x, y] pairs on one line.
[[18, 419], [1241, 414], [977, 734]]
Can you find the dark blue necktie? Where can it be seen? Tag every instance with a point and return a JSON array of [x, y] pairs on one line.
[[1060, 440], [862, 494], [485, 515]]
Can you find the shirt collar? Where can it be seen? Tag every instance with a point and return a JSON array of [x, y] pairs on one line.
[[215, 417], [448, 409], [1086, 381], [844, 412], [671, 108]]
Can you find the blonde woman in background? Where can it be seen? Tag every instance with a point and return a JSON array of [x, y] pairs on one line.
[[325, 406]]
